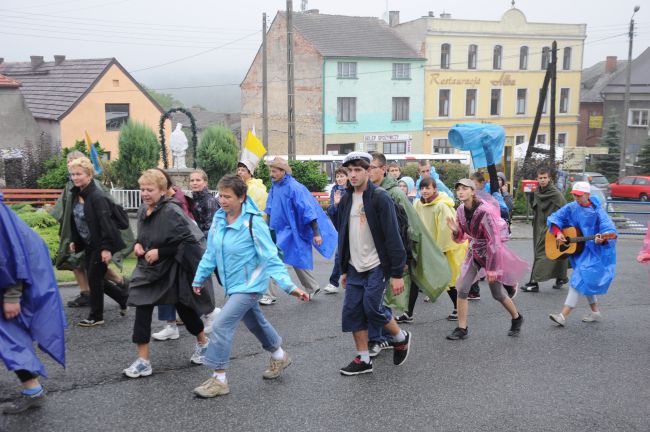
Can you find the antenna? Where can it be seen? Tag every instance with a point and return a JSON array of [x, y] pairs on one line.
[[304, 5]]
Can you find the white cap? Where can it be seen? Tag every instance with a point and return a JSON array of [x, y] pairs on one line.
[[580, 188]]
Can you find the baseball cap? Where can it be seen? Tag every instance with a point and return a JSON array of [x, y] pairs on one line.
[[580, 188], [465, 182], [356, 156]]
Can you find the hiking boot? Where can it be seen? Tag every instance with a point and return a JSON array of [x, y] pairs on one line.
[[515, 326], [356, 367], [458, 334], [82, 300], [331, 289], [405, 318], [267, 300], [401, 349], [530, 287], [374, 348], [24, 403], [558, 319], [276, 367], [560, 282], [139, 368], [212, 387], [169, 332], [198, 356], [90, 323], [453, 316], [592, 317]]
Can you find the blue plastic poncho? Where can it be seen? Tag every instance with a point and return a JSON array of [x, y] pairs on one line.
[[24, 257], [594, 268], [439, 184], [291, 209], [484, 141]]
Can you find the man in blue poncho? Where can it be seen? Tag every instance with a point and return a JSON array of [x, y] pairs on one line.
[[299, 222], [31, 308], [593, 268]]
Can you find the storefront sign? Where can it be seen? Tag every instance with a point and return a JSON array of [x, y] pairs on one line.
[[595, 122], [504, 80], [386, 138]]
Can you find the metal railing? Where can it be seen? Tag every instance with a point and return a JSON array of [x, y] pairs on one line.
[[131, 199], [631, 217]]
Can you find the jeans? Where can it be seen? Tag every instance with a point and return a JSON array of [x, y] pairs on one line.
[[166, 313], [239, 307], [336, 272]]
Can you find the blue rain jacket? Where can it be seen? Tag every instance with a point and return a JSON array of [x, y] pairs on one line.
[[24, 258], [439, 184], [484, 141], [594, 268], [290, 209]]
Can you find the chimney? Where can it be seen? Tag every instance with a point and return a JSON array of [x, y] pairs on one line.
[[2, 60], [58, 59], [312, 12], [445, 15], [36, 61], [393, 18], [431, 14], [611, 64]]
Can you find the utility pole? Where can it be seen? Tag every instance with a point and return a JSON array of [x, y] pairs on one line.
[[626, 104], [553, 94], [265, 92], [291, 115]]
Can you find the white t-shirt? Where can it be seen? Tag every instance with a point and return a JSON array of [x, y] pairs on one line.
[[363, 254]]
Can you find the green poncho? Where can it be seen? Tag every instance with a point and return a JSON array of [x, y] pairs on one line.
[[544, 202]]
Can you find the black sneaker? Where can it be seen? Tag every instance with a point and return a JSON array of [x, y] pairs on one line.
[[511, 290], [401, 350], [457, 334], [90, 323], [374, 348], [530, 287], [24, 403], [82, 300], [515, 327], [453, 316], [560, 282], [405, 318], [356, 367], [473, 296]]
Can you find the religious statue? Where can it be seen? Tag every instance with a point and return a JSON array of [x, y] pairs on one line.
[[178, 145]]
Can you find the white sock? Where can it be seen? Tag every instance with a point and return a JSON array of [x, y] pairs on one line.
[[145, 361], [221, 376], [400, 337], [278, 354], [365, 356]]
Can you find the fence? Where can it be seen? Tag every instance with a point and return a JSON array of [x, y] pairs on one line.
[[631, 217]]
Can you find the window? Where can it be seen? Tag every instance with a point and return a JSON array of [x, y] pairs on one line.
[[566, 60], [445, 54], [641, 181], [496, 58], [472, 53], [394, 148], [521, 101], [443, 102], [541, 138], [441, 145], [371, 147], [495, 102], [523, 58], [564, 100], [520, 139], [347, 70], [638, 118], [470, 102], [400, 109], [546, 56], [346, 110], [561, 139], [116, 115], [627, 181], [545, 101], [401, 71]]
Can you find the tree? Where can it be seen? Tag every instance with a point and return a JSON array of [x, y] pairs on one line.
[[644, 158], [165, 100], [306, 172], [55, 173], [139, 151], [609, 165], [217, 153]]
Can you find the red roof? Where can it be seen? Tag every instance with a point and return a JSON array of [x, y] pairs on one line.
[[8, 82]]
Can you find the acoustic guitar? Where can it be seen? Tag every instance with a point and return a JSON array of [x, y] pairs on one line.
[[574, 245]]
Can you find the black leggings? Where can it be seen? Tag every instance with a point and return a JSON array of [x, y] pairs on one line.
[[25, 375], [96, 271], [142, 324], [415, 291]]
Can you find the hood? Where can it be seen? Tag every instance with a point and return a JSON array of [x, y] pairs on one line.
[[442, 198], [410, 184]]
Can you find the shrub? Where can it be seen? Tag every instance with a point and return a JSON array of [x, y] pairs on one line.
[[139, 150], [42, 223], [410, 170], [217, 153], [306, 172], [55, 173], [38, 219]]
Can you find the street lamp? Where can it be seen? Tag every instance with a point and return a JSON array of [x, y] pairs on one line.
[[626, 104]]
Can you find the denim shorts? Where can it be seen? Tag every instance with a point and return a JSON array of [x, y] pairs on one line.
[[364, 300]]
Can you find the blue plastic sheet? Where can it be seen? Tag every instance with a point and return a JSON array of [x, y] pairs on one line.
[[484, 141]]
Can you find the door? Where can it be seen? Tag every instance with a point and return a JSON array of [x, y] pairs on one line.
[[626, 187]]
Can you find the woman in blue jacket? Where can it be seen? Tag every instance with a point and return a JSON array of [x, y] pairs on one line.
[[241, 249]]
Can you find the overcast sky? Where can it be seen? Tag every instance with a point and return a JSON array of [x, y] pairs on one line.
[[221, 37]]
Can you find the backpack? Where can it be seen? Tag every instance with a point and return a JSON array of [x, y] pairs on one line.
[[402, 221], [119, 216]]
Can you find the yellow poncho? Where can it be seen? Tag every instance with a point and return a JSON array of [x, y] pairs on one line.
[[434, 217], [257, 192]]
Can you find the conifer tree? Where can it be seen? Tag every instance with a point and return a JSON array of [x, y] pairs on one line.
[[608, 164], [644, 158]]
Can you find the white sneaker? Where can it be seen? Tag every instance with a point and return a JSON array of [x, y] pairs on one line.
[[558, 319], [199, 354], [592, 317], [139, 368], [208, 320], [314, 294], [331, 289], [169, 332], [267, 300]]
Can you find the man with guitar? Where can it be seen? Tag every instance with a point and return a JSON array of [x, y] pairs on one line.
[[595, 266]]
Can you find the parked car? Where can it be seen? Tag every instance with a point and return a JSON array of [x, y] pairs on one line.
[[631, 187], [596, 179]]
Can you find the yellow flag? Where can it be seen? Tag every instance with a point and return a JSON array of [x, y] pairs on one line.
[[253, 148], [89, 142]]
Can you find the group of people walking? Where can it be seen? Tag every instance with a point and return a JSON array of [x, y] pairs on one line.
[[391, 240]]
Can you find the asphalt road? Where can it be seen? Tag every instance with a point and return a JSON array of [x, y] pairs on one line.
[[633, 211], [586, 377]]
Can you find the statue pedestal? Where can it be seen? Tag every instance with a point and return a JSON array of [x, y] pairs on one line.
[[180, 177]]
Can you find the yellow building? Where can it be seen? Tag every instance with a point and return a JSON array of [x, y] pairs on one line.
[[69, 97], [492, 71]]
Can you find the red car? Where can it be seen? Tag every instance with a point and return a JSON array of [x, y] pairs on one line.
[[631, 187]]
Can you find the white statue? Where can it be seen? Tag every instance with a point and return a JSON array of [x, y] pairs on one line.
[[178, 145]]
